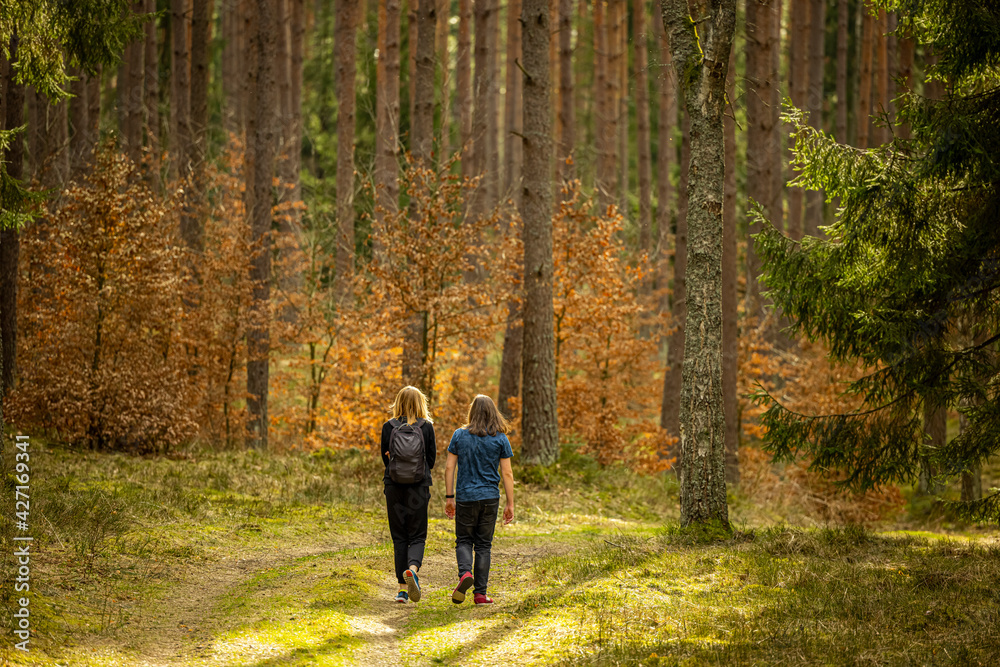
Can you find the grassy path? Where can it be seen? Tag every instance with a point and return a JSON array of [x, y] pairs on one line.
[[249, 561]]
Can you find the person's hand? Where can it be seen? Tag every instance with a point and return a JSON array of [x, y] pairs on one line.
[[508, 513], [449, 507]]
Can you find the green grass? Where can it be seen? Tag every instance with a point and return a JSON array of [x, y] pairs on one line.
[[239, 558]]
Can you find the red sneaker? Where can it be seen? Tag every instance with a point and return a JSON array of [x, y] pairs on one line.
[[479, 598], [464, 584]]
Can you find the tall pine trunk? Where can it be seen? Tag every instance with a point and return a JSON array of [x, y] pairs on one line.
[[201, 43], [567, 99], [730, 344], [345, 31], [817, 33], [539, 423], [643, 147], [151, 97], [882, 74], [387, 112], [79, 139], [840, 130], [180, 105], [604, 138], [798, 66], [261, 147], [701, 60], [670, 407], [761, 83], [415, 349], [513, 339], [463, 86]]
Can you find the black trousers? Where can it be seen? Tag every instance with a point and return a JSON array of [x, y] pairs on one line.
[[407, 507], [474, 525]]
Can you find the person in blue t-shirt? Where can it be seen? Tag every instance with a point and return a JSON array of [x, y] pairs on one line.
[[481, 452]]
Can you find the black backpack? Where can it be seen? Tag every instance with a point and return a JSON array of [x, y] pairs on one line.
[[406, 452]]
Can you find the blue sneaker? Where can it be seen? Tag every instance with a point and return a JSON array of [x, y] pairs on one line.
[[402, 597], [412, 585]]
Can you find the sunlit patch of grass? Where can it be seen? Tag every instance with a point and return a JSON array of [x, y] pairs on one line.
[[311, 638]]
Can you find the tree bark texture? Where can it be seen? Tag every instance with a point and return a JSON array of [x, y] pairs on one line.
[[539, 423], [567, 100], [263, 155], [151, 98], [345, 29], [387, 110], [865, 74], [798, 65], [644, 159], [701, 60], [180, 104], [730, 342], [817, 33], [841, 115]]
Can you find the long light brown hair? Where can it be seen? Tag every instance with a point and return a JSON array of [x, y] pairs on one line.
[[410, 403], [485, 418]]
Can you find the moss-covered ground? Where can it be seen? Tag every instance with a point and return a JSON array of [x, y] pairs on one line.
[[258, 560]]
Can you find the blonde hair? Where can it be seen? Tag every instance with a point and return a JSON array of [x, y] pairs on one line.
[[485, 418], [410, 403]]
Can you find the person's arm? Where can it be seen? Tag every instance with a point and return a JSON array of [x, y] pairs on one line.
[[507, 474], [449, 484], [430, 445], [384, 447]]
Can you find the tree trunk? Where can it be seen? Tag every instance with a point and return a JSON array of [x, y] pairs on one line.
[[79, 144], [411, 52], [882, 53], [614, 93], [841, 123], [484, 119], [10, 243], [701, 60], [441, 41], [798, 61], [415, 348], [604, 138], [567, 100], [262, 150], [151, 97], [387, 111], [666, 155], [761, 84], [643, 152], [730, 343], [201, 36], [670, 408], [346, 72], [510, 364], [94, 108], [621, 154], [865, 83], [463, 87], [298, 38], [180, 105], [512, 103], [817, 35], [539, 423]]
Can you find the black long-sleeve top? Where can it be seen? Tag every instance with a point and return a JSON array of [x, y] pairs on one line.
[[430, 452]]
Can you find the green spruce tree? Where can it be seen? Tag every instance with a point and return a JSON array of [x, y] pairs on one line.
[[907, 280]]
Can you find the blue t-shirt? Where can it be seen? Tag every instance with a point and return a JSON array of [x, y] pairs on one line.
[[478, 464]]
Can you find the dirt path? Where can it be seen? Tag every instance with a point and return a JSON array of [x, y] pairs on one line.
[[383, 624], [180, 628]]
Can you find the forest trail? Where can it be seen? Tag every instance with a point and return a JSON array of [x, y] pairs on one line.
[[180, 628]]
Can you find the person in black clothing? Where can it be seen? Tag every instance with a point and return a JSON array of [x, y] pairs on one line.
[[407, 503]]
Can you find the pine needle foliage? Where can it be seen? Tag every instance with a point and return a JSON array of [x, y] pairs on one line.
[[906, 280]]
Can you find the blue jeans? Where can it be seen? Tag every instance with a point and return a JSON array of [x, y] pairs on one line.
[[474, 525]]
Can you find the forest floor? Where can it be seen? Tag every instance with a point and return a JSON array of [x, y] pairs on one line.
[[253, 560]]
